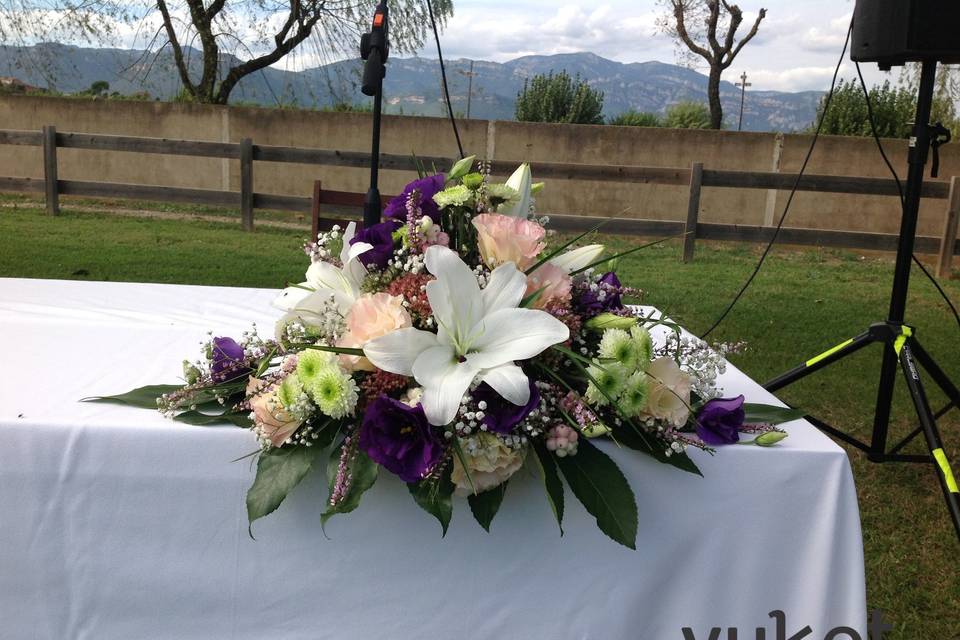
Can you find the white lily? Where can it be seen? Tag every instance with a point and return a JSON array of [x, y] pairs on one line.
[[578, 258], [481, 335], [520, 181], [325, 280]]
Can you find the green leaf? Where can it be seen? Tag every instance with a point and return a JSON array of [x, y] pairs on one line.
[[769, 414], [552, 254], [199, 418], [435, 497], [625, 253], [278, 472], [628, 437], [485, 505], [551, 481], [364, 471], [604, 492], [143, 397]]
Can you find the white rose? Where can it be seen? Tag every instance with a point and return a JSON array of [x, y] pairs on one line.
[[489, 461], [669, 396]]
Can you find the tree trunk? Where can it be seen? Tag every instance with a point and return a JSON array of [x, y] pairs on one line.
[[713, 95]]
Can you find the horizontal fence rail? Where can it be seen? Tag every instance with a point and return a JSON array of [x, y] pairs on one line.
[[696, 178]]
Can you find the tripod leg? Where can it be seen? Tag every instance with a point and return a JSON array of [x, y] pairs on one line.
[[816, 363], [881, 418], [951, 492], [938, 375]]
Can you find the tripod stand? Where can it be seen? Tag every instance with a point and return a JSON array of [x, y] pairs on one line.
[[900, 346]]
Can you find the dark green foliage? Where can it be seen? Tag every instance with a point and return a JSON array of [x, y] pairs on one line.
[[893, 111], [633, 118], [559, 98], [687, 115]]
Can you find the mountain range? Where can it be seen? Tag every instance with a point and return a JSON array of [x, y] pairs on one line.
[[412, 85]]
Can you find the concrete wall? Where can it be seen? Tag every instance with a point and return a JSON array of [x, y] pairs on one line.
[[505, 140]]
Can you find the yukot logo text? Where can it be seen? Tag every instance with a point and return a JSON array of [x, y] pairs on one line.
[[877, 628]]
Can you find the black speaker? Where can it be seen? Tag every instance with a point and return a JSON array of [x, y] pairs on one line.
[[893, 32]]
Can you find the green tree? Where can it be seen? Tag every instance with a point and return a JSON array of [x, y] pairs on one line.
[[688, 115], [559, 98], [99, 88], [893, 111], [634, 118], [946, 93]]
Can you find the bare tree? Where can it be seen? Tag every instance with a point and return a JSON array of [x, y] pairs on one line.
[[236, 37], [707, 29]]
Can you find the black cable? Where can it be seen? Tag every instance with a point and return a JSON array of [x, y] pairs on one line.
[[793, 190], [443, 76], [903, 201]]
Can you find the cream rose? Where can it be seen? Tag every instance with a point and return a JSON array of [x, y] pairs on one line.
[[270, 419], [489, 461], [555, 283], [507, 239], [371, 316], [669, 394]]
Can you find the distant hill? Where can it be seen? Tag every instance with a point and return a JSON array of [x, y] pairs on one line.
[[412, 84]]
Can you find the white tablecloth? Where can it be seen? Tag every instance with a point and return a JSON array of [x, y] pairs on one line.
[[118, 523]]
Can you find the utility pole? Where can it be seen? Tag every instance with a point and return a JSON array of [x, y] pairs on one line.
[[743, 84], [469, 75]]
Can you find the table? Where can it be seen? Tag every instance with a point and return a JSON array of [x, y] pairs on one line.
[[118, 523]]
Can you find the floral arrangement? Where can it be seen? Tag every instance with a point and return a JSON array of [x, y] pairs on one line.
[[450, 345]]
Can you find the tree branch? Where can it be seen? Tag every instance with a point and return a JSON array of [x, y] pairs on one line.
[[736, 17], [679, 9], [747, 38], [714, 7], [175, 44]]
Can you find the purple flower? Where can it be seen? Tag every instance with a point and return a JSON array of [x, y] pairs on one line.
[[397, 207], [399, 438], [381, 237], [719, 420], [590, 302], [228, 360], [501, 415]]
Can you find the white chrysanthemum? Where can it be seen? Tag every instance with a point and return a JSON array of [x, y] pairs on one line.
[[636, 391], [334, 392], [607, 383], [644, 345], [619, 346], [454, 196]]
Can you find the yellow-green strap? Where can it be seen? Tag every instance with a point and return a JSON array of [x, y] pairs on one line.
[[829, 352], [941, 459], [905, 332]]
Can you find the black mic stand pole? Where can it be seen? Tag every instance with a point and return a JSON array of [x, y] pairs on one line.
[[374, 50]]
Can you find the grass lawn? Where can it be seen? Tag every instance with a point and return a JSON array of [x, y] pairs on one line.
[[800, 304]]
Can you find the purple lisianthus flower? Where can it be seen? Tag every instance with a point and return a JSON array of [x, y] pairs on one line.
[[719, 420], [381, 237], [397, 207], [590, 302], [399, 438], [501, 415], [228, 360]]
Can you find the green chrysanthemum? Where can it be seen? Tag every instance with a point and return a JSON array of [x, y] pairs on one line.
[[334, 392], [500, 193], [636, 391], [311, 363], [457, 195], [290, 391], [619, 346], [607, 383], [644, 342]]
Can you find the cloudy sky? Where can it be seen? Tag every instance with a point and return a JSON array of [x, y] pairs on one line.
[[796, 48]]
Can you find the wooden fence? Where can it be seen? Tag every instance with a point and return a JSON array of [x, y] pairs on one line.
[[694, 178]]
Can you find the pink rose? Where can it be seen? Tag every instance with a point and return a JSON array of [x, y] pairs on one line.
[[556, 283], [508, 239], [371, 316], [271, 420]]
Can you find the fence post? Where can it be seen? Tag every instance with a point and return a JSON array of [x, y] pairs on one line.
[[52, 195], [693, 211], [246, 183], [949, 239]]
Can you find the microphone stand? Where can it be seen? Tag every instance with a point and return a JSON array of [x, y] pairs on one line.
[[374, 48]]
